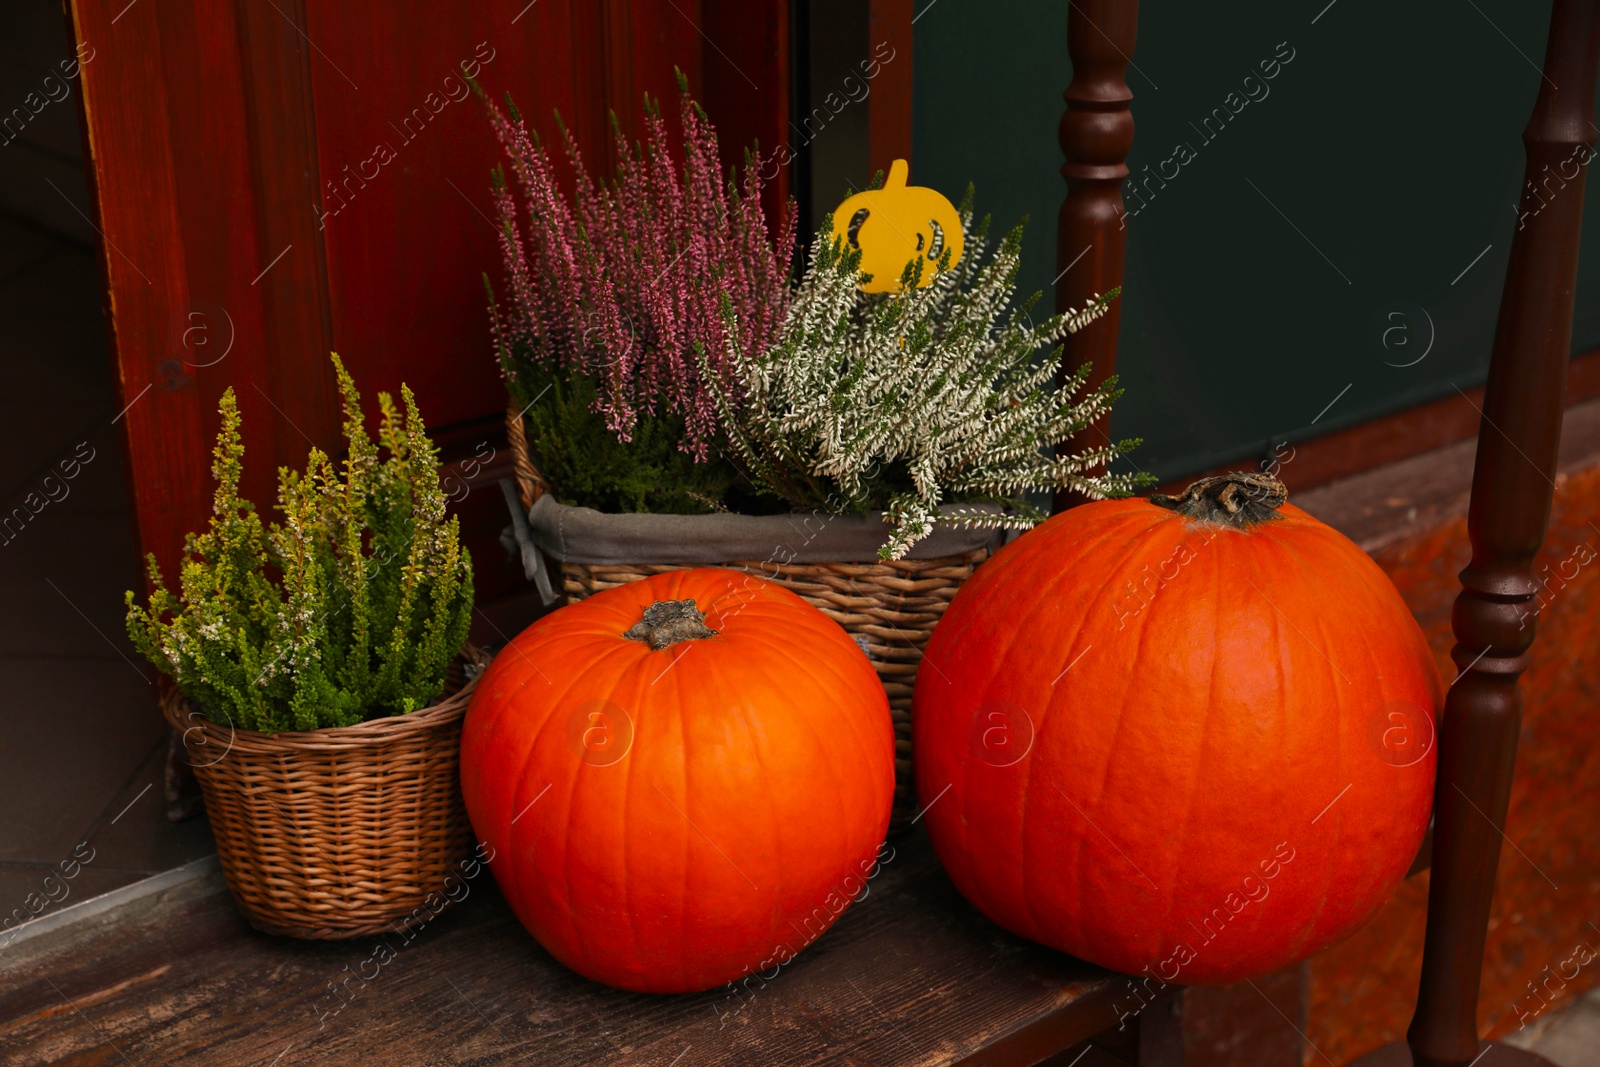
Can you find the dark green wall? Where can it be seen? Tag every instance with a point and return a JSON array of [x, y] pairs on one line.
[[1388, 147]]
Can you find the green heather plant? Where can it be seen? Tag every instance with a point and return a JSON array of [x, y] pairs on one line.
[[910, 401], [664, 363], [579, 455], [350, 608]]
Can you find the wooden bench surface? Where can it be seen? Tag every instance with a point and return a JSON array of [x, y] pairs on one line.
[[910, 975]]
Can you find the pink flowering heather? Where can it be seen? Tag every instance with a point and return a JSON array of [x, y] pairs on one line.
[[626, 280]]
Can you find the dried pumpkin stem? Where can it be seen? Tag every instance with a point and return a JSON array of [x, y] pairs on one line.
[[1237, 499], [667, 622]]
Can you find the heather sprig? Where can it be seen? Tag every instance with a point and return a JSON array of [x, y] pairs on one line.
[[349, 608], [914, 401], [625, 281]]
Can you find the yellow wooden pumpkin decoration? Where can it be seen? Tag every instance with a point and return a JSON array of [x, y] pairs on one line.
[[896, 224]]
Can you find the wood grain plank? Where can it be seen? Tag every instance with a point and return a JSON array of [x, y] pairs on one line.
[[126, 102], [754, 35], [910, 975], [289, 268]]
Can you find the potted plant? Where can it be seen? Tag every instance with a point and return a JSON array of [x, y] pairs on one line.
[[677, 402], [321, 674]]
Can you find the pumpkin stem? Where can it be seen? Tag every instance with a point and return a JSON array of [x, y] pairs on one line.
[[666, 622], [1237, 499]]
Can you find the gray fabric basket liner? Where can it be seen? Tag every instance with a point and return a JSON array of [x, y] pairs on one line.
[[583, 535]]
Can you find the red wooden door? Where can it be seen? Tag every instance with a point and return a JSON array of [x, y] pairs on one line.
[[275, 179]]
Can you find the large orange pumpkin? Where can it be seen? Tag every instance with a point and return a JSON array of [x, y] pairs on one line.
[[681, 779], [1189, 737]]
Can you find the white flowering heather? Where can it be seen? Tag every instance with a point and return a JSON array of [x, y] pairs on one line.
[[921, 403], [351, 608]]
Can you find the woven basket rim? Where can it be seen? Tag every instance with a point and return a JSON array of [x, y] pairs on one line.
[[833, 565], [370, 732], [652, 527]]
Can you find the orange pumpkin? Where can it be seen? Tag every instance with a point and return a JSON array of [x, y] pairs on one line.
[[681, 779], [1187, 737]]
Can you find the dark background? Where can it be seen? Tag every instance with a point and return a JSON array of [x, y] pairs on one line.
[[1391, 141]]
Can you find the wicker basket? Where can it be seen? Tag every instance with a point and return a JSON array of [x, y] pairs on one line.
[[340, 832], [890, 608]]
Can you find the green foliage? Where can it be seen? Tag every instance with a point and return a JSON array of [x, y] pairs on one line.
[[587, 465], [932, 404], [350, 608], [910, 401]]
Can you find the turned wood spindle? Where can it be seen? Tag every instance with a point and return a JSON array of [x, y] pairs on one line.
[[1494, 614], [1095, 134]]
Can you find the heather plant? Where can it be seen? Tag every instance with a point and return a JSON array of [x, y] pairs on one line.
[[650, 473], [648, 323], [350, 608], [625, 281], [913, 401]]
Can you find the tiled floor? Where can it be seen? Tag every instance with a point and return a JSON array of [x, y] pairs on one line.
[[1567, 1038], [82, 758], [83, 744]]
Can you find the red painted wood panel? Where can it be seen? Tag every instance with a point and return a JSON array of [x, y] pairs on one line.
[[402, 148], [748, 96], [275, 178], [407, 248], [288, 269], [177, 239]]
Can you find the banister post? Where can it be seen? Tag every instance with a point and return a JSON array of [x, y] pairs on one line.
[[1512, 484], [1096, 133]]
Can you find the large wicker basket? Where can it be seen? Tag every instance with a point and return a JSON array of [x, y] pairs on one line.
[[340, 832], [890, 608]]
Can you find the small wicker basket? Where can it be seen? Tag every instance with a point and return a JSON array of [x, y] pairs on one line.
[[340, 832], [890, 608]]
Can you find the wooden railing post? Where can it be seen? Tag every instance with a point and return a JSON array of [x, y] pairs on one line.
[[1507, 519], [1095, 133]]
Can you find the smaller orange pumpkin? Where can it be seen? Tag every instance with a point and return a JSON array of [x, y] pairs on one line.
[[896, 225], [682, 779]]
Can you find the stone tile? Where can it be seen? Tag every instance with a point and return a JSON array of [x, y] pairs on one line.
[[1569, 1037], [62, 583], [76, 732], [79, 719], [134, 832], [98, 482]]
